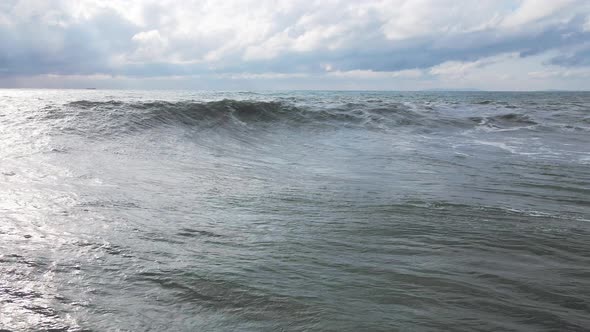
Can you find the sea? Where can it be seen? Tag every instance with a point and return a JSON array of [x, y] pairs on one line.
[[294, 211]]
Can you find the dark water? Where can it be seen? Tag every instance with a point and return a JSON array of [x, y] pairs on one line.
[[323, 211]]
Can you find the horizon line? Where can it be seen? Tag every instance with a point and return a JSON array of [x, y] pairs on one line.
[[471, 90]]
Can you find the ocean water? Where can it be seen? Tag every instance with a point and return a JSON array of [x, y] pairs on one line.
[[294, 211]]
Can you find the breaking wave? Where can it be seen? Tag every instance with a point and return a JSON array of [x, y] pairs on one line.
[[115, 117]]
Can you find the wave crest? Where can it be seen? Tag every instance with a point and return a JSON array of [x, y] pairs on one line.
[[112, 117]]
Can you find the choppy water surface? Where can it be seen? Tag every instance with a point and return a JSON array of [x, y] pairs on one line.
[[327, 211]]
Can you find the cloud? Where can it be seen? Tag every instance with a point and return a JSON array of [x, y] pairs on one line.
[[258, 76], [370, 74], [42, 39], [149, 45], [287, 39], [459, 69], [561, 73], [531, 11], [573, 57]]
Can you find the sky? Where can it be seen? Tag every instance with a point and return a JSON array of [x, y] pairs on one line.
[[291, 44]]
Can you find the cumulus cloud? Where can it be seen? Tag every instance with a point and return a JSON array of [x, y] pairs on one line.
[[149, 45], [282, 39]]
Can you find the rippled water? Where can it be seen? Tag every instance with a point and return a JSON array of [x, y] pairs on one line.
[[327, 211]]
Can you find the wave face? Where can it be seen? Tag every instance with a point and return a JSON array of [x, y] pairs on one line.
[[113, 117], [294, 211], [134, 116], [144, 115]]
